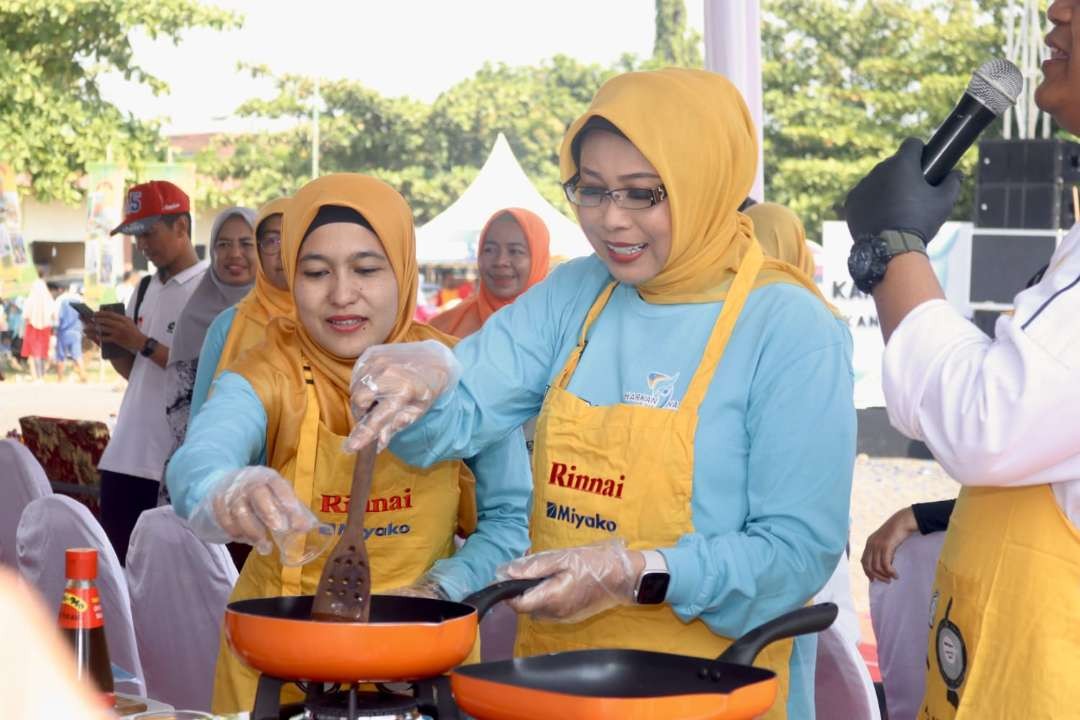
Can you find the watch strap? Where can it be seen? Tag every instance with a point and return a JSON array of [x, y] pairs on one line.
[[898, 242], [148, 347]]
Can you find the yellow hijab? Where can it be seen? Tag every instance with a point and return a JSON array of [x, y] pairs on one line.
[[695, 129], [781, 235], [265, 302], [274, 369]]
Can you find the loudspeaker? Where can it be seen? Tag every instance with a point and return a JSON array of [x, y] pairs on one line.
[[1033, 161], [1002, 262], [1026, 184]]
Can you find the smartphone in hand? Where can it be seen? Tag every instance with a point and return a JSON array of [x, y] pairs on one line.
[[109, 350], [86, 313]]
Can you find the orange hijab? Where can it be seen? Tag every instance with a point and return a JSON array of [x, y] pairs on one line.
[[695, 129], [266, 302], [470, 314], [275, 368]]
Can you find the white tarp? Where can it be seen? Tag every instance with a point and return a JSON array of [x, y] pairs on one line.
[[452, 236]]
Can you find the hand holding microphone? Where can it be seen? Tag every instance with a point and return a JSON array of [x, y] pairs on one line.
[[915, 189]]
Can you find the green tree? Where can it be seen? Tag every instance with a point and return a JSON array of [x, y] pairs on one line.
[[846, 80], [53, 119], [429, 152], [673, 44]]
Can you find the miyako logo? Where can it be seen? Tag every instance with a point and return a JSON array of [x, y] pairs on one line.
[[567, 514], [391, 529]]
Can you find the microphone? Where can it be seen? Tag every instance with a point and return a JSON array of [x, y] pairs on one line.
[[994, 88]]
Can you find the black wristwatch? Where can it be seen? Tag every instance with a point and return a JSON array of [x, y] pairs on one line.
[[652, 584], [870, 255], [149, 348]]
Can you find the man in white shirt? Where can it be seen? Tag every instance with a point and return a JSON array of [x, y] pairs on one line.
[[1003, 417], [158, 216]]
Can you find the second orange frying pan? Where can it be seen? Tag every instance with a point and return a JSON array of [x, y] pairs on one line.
[[407, 638], [633, 684]]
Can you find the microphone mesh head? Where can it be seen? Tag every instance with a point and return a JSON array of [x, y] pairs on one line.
[[996, 84]]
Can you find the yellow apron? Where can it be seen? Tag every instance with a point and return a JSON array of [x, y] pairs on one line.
[[411, 516], [1005, 611], [248, 333], [627, 471]]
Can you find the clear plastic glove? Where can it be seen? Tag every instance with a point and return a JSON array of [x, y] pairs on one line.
[[253, 505], [393, 385], [425, 587], [911, 204], [582, 581]]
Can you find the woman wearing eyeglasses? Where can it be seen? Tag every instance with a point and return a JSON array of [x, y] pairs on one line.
[[696, 433], [243, 325]]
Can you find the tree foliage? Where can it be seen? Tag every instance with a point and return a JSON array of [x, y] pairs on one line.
[[673, 44], [53, 119], [846, 80]]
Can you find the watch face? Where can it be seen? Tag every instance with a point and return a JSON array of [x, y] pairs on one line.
[[653, 588], [861, 260]]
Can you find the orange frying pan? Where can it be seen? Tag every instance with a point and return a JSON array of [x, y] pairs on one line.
[[407, 638], [633, 684]]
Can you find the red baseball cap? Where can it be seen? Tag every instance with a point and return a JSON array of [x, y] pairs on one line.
[[148, 202]]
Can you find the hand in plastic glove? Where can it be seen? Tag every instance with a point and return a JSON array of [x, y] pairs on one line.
[[895, 196], [582, 581], [425, 587], [249, 504], [393, 385], [877, 557]]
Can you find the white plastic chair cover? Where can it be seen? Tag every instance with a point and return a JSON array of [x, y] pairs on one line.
[[49, 526], [843, 687], [179, 588], [22, 480], [900, 613]]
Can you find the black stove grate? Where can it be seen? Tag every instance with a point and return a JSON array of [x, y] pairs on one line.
[[431, 697]]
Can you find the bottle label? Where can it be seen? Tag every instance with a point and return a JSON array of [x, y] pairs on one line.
[[81, 608]]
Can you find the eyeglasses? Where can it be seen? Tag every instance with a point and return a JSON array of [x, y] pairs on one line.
[[626, 198], [270, 243]]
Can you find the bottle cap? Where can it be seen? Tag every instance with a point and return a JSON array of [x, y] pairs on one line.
[[81, 563]]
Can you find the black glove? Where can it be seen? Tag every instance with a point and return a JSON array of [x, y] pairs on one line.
[[895, 196]]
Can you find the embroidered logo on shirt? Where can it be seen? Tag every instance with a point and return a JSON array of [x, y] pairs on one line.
[[660, 395]]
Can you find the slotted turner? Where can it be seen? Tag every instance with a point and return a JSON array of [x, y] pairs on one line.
[[344, 593]]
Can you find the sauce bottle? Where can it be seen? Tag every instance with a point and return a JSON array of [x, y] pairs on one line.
[[82, 621]]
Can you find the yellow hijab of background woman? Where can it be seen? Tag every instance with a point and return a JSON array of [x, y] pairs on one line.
[[695, 129], [264, 303], [781, 235], [275, 370]]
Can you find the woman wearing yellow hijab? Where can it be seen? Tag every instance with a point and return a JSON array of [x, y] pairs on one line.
[[348, 251], [782, 236], [696, 433]]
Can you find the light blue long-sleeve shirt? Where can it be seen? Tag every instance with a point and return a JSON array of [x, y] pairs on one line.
[[228, 431], [210, 356], [773, 452]]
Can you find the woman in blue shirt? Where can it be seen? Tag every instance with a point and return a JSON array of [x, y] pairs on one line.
[[696, 433]]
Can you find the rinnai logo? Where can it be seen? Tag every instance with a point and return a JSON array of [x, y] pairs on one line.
[[567, 514], [388, 503], [574, 480]]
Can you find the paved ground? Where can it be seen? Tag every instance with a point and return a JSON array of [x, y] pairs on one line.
[[881, 485]]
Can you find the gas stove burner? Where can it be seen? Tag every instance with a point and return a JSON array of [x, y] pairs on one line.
[[354, 705]]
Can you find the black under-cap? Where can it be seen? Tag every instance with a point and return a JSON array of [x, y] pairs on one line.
[[337, 214]]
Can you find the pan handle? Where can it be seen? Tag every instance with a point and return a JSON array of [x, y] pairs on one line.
[[803, 621], [486, 598]]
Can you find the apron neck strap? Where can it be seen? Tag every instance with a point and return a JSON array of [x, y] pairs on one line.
[[725, 324], [598, 306]]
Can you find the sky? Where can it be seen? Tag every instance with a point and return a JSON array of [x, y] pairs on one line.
[[398, 47]]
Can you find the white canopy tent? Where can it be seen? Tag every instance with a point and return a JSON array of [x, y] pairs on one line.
[[452, 236]]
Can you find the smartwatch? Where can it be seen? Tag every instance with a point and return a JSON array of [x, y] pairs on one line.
[[652, 584], [870, 255], [149, 348]]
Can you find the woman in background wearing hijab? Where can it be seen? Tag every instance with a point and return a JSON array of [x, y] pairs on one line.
[[232, 271], [39, 314], [512, 256], [243, 325], [682, 382], [349, 252], [781, 235]]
